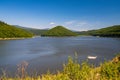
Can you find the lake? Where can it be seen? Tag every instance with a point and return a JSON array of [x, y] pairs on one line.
[[49, 53]]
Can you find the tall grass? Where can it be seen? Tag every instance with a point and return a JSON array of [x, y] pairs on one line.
[[111, 70], [74, 71]]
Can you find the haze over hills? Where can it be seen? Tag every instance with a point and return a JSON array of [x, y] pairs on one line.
[[8, 31], [35, 31], [59, 31]]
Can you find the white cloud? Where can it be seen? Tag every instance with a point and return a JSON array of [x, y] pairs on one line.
[[52, 23], [82, 24], [70, 22], [87, 25]]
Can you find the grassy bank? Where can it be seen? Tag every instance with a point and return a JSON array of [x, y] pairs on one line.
[[74, 71], [16, 38]]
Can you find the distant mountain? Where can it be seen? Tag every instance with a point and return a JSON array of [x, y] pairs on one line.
[[112, 31], [8, 31], [59, 31], [33, 30]]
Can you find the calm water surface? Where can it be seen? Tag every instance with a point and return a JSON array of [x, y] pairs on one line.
[[43, 53]]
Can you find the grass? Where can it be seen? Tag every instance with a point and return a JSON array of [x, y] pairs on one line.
[[74, 71]]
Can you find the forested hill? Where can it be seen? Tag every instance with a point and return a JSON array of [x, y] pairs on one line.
[[112, 31], [59, 31], [8, 31]]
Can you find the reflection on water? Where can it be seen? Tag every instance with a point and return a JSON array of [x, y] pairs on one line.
[[43, 53]]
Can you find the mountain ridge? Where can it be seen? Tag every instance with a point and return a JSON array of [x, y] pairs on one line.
[[111, 31], [35, 31], [59, 31]]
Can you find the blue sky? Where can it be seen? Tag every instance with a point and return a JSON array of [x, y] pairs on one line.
[[74, 14]]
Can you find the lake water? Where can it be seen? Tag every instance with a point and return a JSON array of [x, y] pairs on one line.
[[43, 53]]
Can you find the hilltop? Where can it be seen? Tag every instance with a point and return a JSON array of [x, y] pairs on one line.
[[59, 31], [112, 31], [8, 31]]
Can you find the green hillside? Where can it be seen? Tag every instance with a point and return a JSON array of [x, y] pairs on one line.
[[8, 31], [112, 31], [59, 31], [35, 31]]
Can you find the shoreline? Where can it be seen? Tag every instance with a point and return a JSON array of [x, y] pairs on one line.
[[13, 38]]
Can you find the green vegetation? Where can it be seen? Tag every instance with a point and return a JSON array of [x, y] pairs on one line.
[[8, 31], [36, 32], [74, 71], [113, 31], [59, 31]]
